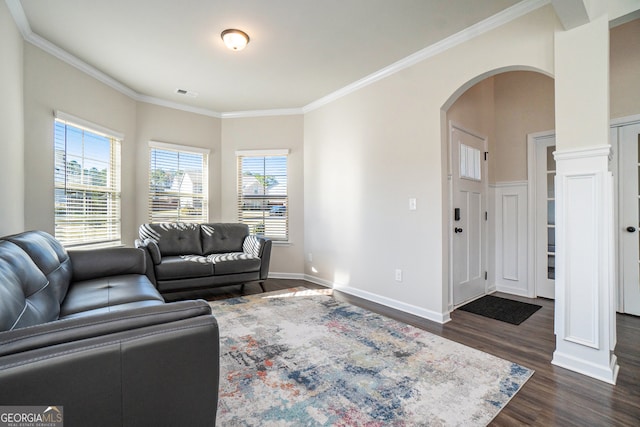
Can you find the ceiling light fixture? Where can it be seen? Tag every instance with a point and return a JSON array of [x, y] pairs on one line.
[[235, 39]]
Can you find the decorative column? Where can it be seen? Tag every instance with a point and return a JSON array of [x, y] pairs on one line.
[[585, 258]]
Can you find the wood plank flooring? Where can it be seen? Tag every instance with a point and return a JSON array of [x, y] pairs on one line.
[[553, 396]]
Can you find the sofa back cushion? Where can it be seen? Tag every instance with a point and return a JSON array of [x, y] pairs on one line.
[[223, 237], [173, 238], [50, 257], [26, 296]]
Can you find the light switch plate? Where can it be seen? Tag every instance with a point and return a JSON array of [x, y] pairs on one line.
[[413, 204]]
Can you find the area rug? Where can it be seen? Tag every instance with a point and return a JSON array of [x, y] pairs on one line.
[[301, 358], [503, 309]]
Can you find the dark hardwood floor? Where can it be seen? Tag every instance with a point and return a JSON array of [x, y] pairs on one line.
[[553, 396]]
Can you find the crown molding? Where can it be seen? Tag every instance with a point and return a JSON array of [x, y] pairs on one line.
[[19, 17], [469, 33], [495, 21], [177, 106], [17, 13], [72, 60], [262, 113]]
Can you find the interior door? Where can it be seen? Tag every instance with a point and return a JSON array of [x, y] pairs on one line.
[[629, 219], [469, 188], [545, 216]]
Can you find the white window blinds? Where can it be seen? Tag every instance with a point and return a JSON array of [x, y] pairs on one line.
[[178, 183], [263, 192], [87, 183]]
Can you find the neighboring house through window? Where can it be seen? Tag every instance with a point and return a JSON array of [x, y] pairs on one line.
[[178, 178], [87, 183], [263, 192]]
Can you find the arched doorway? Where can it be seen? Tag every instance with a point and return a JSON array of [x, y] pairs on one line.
[[505, 106]]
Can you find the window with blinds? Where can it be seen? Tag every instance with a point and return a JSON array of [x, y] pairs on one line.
[[178, 178], [87, 183], [263, 192]]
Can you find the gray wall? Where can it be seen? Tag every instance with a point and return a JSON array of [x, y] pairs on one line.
[[12, 165], [50, 85]]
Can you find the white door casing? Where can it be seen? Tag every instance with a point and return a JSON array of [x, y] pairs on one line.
[[628, 139], [625, 164], [545, 215], [468, 234]]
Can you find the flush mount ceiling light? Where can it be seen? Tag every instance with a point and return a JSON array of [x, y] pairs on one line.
[[235, 39]]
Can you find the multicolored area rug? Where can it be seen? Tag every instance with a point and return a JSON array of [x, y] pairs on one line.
[[301, 358]]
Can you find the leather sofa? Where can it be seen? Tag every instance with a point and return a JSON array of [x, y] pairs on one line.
[[88, 331], [194, 256]]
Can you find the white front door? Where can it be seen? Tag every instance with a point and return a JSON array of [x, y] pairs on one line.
[[468, 234], [629, 216], [545, 228]]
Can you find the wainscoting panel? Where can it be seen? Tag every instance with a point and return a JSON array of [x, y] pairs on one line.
[[585, 317], [511, 237], [583, 198]]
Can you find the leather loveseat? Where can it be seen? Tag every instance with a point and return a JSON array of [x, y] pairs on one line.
[[194, 256], [88, 332]]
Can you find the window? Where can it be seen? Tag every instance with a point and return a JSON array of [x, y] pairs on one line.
[[263, 192], [178, 178], [87, 183], [470, 164]]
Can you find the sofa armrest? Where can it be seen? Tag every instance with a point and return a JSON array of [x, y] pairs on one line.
[[152, 256], [152, 247], [81, 328], [265, 258], [120, 368], [260, 247], [94, 263]]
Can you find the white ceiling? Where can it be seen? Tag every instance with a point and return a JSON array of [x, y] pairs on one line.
[[300, 50]]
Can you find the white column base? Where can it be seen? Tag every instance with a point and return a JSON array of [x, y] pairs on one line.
[[608, 374]]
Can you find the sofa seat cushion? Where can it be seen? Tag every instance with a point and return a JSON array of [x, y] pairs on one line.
[[233, 263], [183, 267], [108, 292], [112, 308]]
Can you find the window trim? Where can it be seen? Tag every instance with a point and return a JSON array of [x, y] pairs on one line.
[[263, 153], [116, 138], [205, 152], [178, 147], [93, 127], [266, 153]]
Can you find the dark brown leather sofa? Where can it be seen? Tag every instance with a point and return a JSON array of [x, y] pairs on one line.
[[184, 257], [87, 330]]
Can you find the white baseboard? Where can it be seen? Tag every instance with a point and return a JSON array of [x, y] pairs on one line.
[[292, 276], [395, 304], [318, 281], [387, 302]]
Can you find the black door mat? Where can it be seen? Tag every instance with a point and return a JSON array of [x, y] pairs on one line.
[[503, 309]]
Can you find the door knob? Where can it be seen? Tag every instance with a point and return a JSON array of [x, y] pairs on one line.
[[458, 230], [631, 229]]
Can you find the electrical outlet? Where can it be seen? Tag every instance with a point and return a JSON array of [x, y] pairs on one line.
[[310, 257], [413, 205], [398, 275]]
